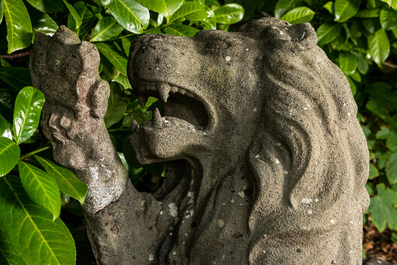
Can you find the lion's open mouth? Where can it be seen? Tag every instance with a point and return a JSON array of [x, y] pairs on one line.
[[178, 103]]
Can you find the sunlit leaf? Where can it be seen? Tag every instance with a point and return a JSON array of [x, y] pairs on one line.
[[330, 7], [191, 11], [41, 188], [47, 6], [44, 23], [379, 46], [68, 183], [388, 18], [17, 77], [283, 6], [73, 12], [28, 105], [5, 128], [105, 29], [114, 56], [35, 237], [19, 27], [229, 14], [180, 30], [131, 15], [1, 11], [345, 9], [327, 32], [368, 13], [9, 155], [165, 7], [299, 15]]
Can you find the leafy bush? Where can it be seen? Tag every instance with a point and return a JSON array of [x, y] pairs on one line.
[[359, 36]]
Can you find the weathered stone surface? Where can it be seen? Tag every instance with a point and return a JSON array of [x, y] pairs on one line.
[[265, 161]]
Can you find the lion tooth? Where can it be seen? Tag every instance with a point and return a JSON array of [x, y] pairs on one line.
[[164, 90], [142, 100], [157, 118]]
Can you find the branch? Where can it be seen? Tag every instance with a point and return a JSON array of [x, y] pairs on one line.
[[16, 55], [391, 65]]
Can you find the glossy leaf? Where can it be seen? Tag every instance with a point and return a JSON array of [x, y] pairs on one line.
[[165, 7], [47, 6], [229, 14], [105, 29], [41, 188], [28, 105], [382, 210], [379, 46], [347, 63], [126, 42], [17, 77], [1, 11], [371, 24], [8, 255], [35, 237], [362, 66], [68, 183], [5, 129], [75, 15], [299, 15], [87, 19], [7, 99], [123, 81], [391, 3], [9, 155], [180, 30], [19, 27], [391, 168], [44, 23], [388, 18], [191, 11], [131, 15], [116, 106], [283, 6], [330, 7], [327, 32], [114, 56], [345, 9]]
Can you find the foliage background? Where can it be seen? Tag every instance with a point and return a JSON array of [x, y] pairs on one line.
[[360, 36]]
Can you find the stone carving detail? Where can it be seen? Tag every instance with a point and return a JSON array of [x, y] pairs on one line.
[[265, 161]]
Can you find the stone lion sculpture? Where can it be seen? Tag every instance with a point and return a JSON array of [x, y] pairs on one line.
[[265, 161]]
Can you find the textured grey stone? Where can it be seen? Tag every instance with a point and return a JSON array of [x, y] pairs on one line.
[[265, 161]]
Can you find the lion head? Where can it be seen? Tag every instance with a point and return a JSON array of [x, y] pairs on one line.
[[265, 161]]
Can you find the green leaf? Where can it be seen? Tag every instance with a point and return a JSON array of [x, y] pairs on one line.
[[180, 30], [19, 27], [105, 29], [8, 255], [353, 86], [368, 13], [68, 183], [371, 24], [126, 42], [191, 11], [35, 237], [391, 168], [391, 3], [382, 210], [116, 106], [373, 172], [388, 18], [75, 15], [17, 77], [123, 80], [284, 6], [348, 63], [5, 129], [1, 11], [131, 15], [229, 14], [362, 65], [370, 188], [44, 23], [9, 155], [379, 46], [114, 56], [345, 9], [165, 7], [41, 188], [27, 112], [47, 6], [328, 32], [87, 19], [7, 99], [383, 133], [330, 7], [299, 15]]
